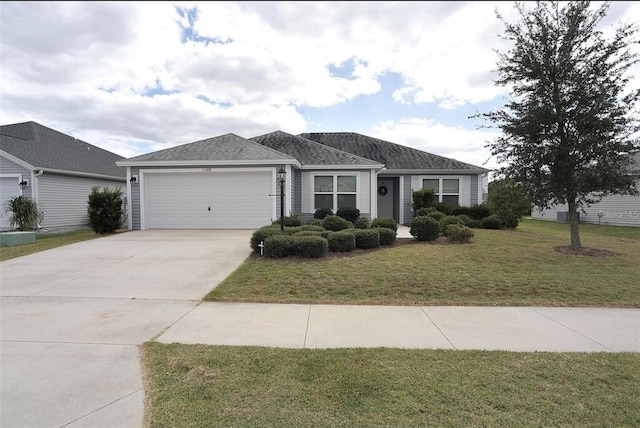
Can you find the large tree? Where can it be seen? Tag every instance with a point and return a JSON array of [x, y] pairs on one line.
[[570, 126]]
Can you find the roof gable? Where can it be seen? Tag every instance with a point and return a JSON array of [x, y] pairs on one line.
[[228, 147], [42, 147], [309, 152], [393, 156]]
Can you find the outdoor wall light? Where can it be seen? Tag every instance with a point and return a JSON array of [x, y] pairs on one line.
[[133, 179], [281, 176], [24, 183]]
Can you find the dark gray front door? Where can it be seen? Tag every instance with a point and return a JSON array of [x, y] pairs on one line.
[[386, 197]]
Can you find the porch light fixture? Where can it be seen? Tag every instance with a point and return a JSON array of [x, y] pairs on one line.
[[24, 183], [281, 176], [133, 179]]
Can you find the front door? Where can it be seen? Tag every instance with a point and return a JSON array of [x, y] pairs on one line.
[[386, 198]]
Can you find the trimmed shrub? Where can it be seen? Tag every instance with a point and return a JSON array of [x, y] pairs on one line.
[[423, 198], [313, 222], [388, 222], [478, 212], [465, 219], [292, 221], [312, 227], [341, 241], [321, 213], [361, 223], [509, 220], [262, 234], [492, 222], [462, 210], [449, 219], [387, 236], [366, 238], [425, 211], [348, 213], [310, 246], [436, 215], [276, 246], [424, 228], [335, 223], [458, 233], [475, 224], [105, 209], [308, 233], [444, 207]]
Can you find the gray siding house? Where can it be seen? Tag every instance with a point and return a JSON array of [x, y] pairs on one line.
[[229, 182], [615, 210], [56, 170]]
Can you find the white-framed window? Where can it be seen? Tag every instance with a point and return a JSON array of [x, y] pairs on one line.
[[446, 189], [335, 191]]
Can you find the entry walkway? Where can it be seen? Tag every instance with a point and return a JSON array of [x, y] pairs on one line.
[[526, 329]]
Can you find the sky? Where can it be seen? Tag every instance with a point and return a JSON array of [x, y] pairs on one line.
[[135, 77]]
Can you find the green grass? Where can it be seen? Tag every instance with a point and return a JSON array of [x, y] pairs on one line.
[[47, 242], [221, 386], [501, 267]]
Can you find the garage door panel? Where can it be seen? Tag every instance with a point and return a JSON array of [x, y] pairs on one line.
[[216, 200]]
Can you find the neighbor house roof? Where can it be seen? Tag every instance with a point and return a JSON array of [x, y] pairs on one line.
[[44, 148], [395, 157], [224, 149], [311, 153]]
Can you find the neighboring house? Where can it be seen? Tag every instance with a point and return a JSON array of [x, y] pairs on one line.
[[55, 170], [616, 210], [231, 182]]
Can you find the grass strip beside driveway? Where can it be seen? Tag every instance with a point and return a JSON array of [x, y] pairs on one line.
[[206, 386], [45, 241], [500, 268]]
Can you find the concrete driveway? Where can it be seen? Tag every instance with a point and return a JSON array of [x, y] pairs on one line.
[[73, 317]]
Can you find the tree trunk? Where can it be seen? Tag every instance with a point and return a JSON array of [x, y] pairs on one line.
[[573, 222]]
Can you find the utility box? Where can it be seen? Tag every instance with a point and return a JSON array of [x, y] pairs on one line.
[[563, 217], [8, 239]]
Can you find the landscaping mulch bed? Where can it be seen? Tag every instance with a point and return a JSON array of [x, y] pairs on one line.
[[583, 251]]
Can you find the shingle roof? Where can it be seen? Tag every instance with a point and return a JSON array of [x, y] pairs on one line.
[[309, 152], [42, 147], [228, 147], [393, 156]]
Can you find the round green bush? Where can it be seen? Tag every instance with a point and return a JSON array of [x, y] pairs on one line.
[[321, 213], [458, 233], [336, 223], [289, 221], [361, 223], [424, 211], [310, 246], [261, 234], [492, 222], [436, 215], [444, 207], [449, 219], [424, 228], [308, 233], [341, 241], [312, 227], [366, 238], [276, 246], [465, 219], [387, 236], [388, 222], [348, 213]]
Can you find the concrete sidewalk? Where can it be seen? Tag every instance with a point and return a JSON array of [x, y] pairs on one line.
[[526, 329]]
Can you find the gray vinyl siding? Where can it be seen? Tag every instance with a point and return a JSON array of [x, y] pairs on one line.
[[408, 200], [474, 191], [296, 197], [9, 168], [63, 198], [616, 210]]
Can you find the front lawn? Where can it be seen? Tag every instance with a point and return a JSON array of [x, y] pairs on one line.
[[223, 386], [500, 267], [46, 241]]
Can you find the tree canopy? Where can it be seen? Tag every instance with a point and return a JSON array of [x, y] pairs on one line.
[[571, 125]]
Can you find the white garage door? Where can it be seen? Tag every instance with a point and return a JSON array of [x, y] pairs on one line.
[[8, 189], [208, 200]]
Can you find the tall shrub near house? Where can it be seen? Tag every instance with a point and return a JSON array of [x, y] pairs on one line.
[[23, 213], [105, 209], [423, 198]]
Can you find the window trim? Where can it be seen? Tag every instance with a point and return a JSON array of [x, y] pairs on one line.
[[335, 193], [440, 179]]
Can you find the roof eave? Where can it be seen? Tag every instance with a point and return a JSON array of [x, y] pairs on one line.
[[434, 171], [208, 162], [376, 166]]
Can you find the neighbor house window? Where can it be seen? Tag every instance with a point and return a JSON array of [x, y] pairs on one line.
[[446, 189], [335, 191]]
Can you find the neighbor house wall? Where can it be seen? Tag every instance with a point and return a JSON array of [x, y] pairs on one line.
[[64, 198], [615, 210], [8, 168]]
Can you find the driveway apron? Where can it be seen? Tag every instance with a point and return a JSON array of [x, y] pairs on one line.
[[73, 317]]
